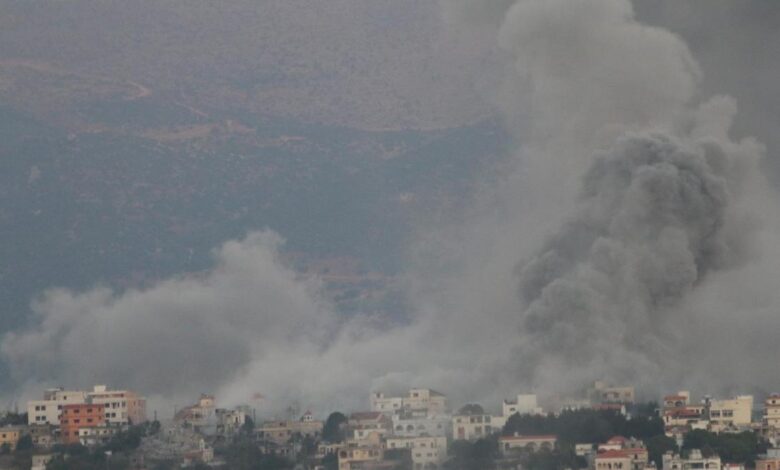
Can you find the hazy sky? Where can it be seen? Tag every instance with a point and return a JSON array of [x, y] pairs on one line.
[[633, 236]]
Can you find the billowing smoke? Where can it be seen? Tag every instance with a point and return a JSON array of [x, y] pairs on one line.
[[183, 336], [632, 239], [654, 219]]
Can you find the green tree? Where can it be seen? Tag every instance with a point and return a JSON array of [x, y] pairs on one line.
[[331, 462], [478, 455], [333, 430], [741, 447], [25, 443], [657, 446]]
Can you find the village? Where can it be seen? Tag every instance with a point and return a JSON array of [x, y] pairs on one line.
[[605, 429]]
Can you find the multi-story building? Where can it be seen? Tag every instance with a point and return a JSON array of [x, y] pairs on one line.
[[612, 460], [384, 404], [95, 435], [679, 400], [200, 415], [370, 421], [48, 410], [43, 436], [603, 393], [353, 458], [471, 426], [524, 404], [682, 420], [77, 416], [40, 461], [772, 411], [405, 425], [280, 432], [509, 445], [427, 452], [418, 399], [733, 413], [9, 436], [229, 422], [122, 407], [694, 461], [769, 461]]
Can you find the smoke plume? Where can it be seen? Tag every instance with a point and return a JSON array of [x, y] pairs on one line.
[[632, 239]]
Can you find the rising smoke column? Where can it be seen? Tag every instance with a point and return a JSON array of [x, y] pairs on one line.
[[639, 262], [645, 200], [650, 225]]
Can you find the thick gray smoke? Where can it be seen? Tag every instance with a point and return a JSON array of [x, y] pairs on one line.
[[652, 222], [632, 239]]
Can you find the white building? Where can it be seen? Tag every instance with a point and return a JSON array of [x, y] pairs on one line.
[[39, 461], [509, 445], [418, 399], [427, 452], [95, 435], [383, 404], [405, 425], [121, 406], [47, 411], [472, 427], [524, 404], [694, 461]]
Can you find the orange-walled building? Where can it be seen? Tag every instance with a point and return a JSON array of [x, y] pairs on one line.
[[77, 416]]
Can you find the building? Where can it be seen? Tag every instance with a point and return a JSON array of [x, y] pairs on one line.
[[77, 416], [510, 445], [525, 404], [383, 404], [771, 418], [678, 421], [9, 436], [122, 407], [694, 461], [612, 460], [48, 410], [637, 457], [769, 461], [198, 416], [96, 435], [679, 400], [406, 425], [229, 422], [620, 443], [370, 421], [733, 413], [426, 452], [418, 399], [603, 393], [43, 436], [39, 461], [471, 426], [584, 449], [280, 432], [354, 458]]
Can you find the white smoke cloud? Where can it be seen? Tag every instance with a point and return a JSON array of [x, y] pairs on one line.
[[182, 336], [631, 229]]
